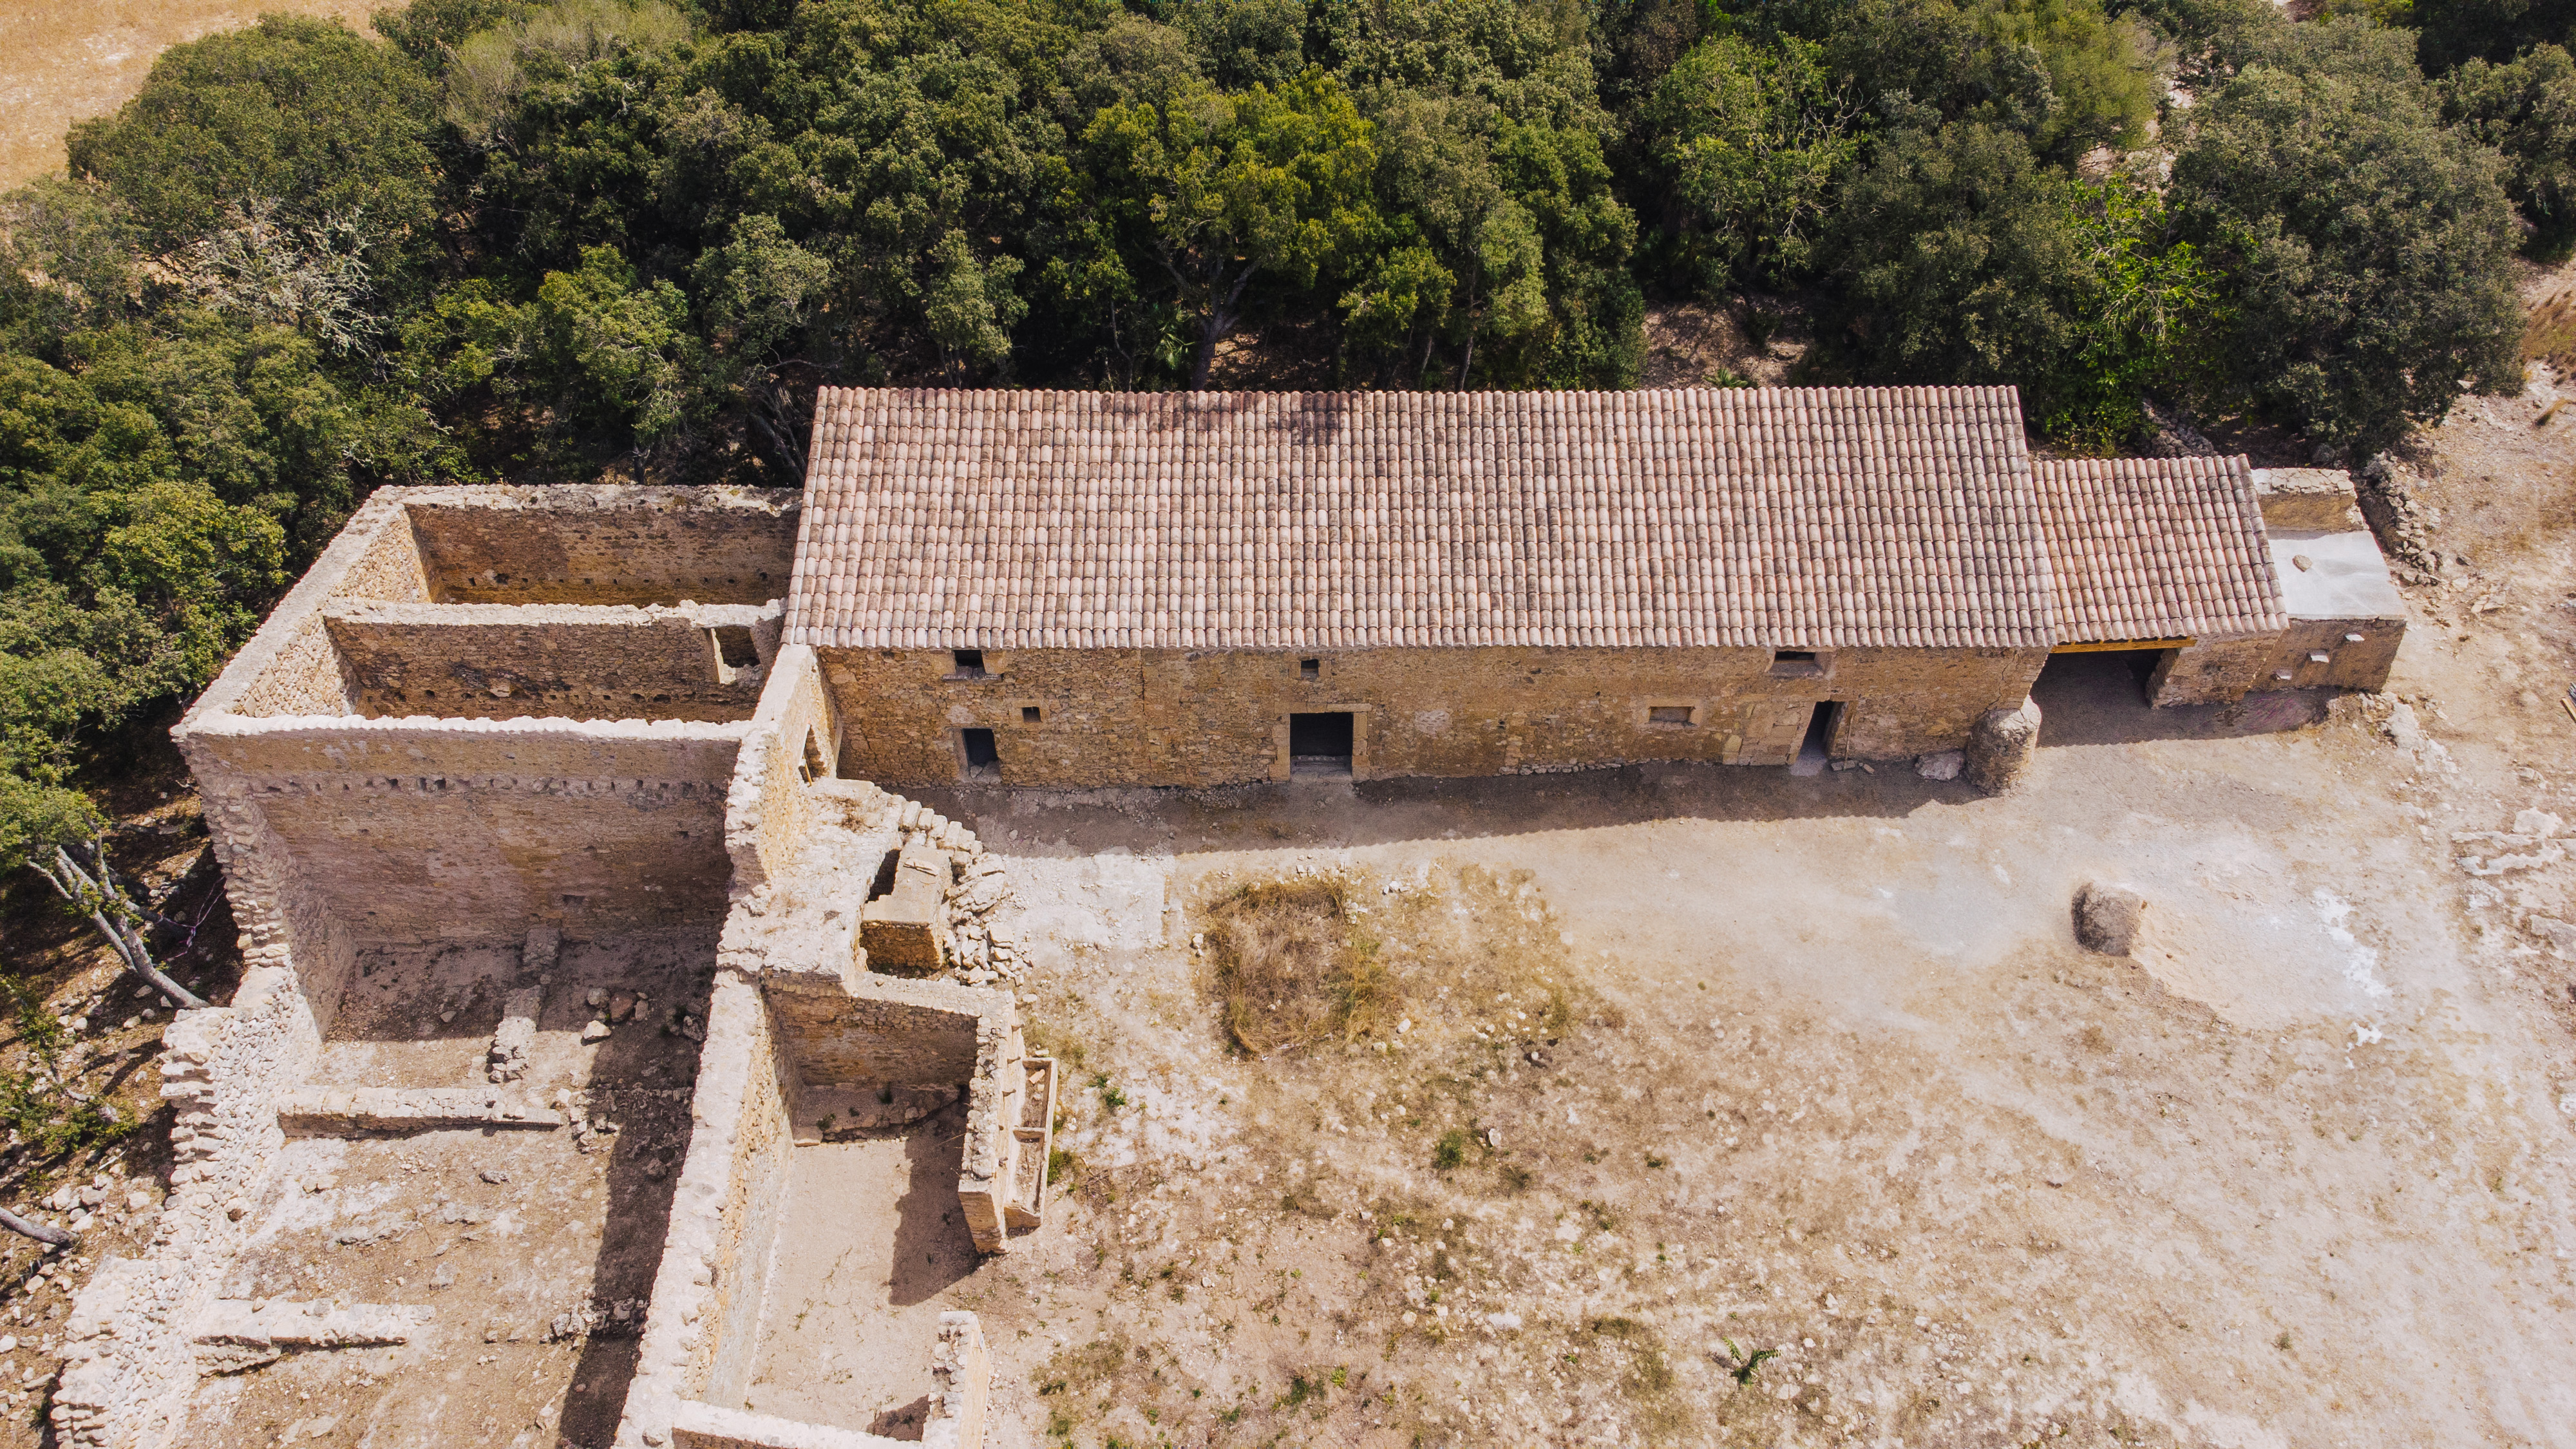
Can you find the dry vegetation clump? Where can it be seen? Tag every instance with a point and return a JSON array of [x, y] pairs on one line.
[[1287, 969], [2550, 335], [1308, 962]]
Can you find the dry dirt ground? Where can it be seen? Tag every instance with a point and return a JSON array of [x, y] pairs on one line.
[[62, 61]]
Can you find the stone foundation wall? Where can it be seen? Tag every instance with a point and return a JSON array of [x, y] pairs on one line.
[[1167, 717]]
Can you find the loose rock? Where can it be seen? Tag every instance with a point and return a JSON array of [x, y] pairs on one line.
[[2107, 918]]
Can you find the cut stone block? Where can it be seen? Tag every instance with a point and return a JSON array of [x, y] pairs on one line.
[[901, 929], [337, 1111]]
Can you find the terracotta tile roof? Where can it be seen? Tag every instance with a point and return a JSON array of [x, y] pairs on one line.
[[1799, 518], [2158, 548]]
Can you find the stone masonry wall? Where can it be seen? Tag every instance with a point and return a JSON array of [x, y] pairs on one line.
[[129, 1368], [624, 544], [515, 661], [703, 1325], [293, 668], [2213, 671], [2363, 664], [793, 739], [415, 830], [1165, 717], [904, 1032]]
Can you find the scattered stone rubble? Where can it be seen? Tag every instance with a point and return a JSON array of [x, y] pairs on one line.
[[2402, 522]]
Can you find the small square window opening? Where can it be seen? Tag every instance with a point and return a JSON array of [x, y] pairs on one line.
[[1310, 669], [1795, 663], [970, 663], [1029, 714]]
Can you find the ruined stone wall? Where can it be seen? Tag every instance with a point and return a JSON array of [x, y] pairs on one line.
[[292, 667], [517, 661], [621, 544], [704, 1323], [413, 830], [793, 740], [904, 1032], [763, 1143], [1167, 717]]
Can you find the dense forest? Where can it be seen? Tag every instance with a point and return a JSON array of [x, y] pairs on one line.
[[548, 242]]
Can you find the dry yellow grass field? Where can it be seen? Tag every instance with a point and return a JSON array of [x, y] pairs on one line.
[[67, 60]]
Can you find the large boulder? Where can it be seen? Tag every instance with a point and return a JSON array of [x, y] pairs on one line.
[[2107, 918], [2001, 746]]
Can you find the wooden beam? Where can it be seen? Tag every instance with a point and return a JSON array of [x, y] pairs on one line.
[[2106, 646]]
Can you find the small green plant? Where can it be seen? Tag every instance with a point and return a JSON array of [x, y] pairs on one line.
[[1654, 1161], [2283, 1342], [1110, 1097], [1451, 1152], [41, 1103], [1062, 1166], [1746, 1365]]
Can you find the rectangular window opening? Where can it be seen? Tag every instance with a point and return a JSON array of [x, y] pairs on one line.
[[1668, 714], [1310, 669], [813, 767], [983, 762], [734, 646], [1029, 714], [1795, 664], [1320, 744], [970, 663]]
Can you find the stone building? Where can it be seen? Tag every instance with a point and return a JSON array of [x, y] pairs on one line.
[[1084, 589], [533, 802]]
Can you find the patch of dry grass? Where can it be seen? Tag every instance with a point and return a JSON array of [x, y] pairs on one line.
[[2551, 333], [1287, 969]]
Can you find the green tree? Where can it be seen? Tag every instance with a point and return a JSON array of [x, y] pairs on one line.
[[1215, 190], [2455, 31], [1755, 139], [1959, 257], [2526, 109], [2368, 247], [301, 110], [618, 349]]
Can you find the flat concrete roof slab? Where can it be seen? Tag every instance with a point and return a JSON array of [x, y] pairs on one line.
[[2346, 577]]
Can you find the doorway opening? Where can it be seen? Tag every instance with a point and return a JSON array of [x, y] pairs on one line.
[[983, 762], [1319, 744], [1818, 746]]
